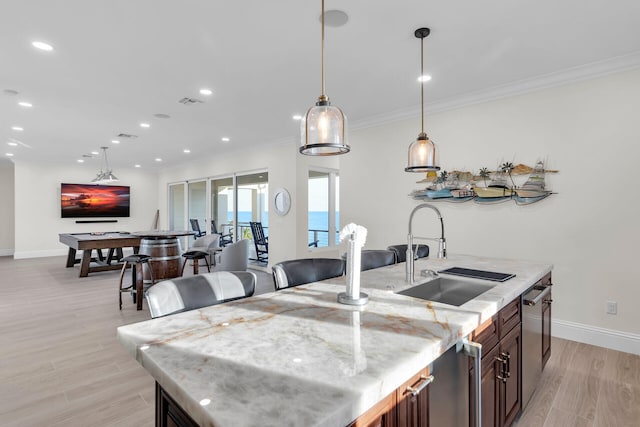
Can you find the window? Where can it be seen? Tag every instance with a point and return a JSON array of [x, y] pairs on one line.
[[323, 209]]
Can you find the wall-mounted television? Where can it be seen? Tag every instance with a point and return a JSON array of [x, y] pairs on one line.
[[94, 201]]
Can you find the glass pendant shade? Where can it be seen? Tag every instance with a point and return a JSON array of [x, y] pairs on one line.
[[423, 156], [107, 176], [324, 131]]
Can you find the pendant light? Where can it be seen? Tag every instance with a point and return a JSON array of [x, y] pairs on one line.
[[324, 127], [105, 175], [422, 152]]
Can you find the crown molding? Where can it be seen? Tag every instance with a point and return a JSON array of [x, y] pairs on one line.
[[558, 78]]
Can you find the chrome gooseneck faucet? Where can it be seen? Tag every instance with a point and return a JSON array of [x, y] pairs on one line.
[[442, 244]]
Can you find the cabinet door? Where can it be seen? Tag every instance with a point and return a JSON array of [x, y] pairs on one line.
[[511, 393], [491, 369], [413, 406], [546, 329]]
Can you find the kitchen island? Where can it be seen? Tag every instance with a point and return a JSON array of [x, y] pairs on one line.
[[297, 357]]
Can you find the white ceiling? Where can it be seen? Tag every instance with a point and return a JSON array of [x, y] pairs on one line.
[[116, 63]]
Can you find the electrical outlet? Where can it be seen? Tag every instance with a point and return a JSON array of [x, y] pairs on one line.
[[612, 307]]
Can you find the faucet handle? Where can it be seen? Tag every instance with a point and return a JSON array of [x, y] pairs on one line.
[[429, 273]]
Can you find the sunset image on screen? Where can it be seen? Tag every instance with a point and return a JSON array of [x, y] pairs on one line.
[[81, 201]]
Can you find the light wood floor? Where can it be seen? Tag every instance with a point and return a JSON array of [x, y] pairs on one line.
[[61, 364]]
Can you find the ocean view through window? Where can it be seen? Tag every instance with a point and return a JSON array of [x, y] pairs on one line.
[[323, 218]]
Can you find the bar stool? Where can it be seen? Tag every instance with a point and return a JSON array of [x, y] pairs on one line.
[[195, 256], [136, 261]]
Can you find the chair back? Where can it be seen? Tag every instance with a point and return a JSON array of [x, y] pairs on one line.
[[375, 258], [208, 243], [420, 251], [195, 226], [225, 239], [193, 292], [260, 241], [234, 257], [296, 272]]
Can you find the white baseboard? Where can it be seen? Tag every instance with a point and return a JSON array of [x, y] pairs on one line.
[[608, 338], [39, 254], [6, 252]]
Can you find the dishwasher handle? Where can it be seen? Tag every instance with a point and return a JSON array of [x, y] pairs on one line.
[[539, 297]]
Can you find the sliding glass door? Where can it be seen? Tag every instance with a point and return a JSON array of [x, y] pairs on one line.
[[253, 205], [222, 206]]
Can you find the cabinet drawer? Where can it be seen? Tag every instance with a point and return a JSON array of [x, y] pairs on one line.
[[487, 334], [509, 317]]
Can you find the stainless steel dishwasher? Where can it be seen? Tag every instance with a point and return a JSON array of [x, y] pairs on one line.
[[449, 392], [532, 339]]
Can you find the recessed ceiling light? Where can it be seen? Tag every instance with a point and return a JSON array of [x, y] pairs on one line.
[[186, 150], [225, 139], [25, 104], [206, 91], [9, 154], [13, 144], [158, 159], [42, 46], [145, 125], [80, 161], [297, 117], [17, 128], [95, 153], [114, 141], [424, 78], [136, 166]]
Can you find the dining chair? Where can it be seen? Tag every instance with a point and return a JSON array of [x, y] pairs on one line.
[[420, 251], [287, 274], [234, 257], [193, 292]]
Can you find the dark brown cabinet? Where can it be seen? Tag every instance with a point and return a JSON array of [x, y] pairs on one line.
[[408, 406], [501, 372], [169, 413]]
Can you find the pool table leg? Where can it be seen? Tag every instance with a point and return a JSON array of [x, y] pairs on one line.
[[86, 260], [71, 257]]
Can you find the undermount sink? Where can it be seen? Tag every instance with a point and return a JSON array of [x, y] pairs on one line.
[[448, 291]]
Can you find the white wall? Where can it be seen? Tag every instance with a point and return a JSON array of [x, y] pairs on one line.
[[37, 206], [6, 207], [588, 131]]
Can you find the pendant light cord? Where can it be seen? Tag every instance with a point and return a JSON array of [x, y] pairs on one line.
[[323, 94], [421, 80]]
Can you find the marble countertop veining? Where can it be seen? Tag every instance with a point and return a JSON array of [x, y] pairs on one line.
[[298, 357]]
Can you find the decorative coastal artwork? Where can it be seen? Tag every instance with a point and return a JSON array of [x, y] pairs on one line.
[[520, 183]]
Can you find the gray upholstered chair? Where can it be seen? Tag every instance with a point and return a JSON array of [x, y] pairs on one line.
[[234, 257], [193, 292], [296, 272], [209, 243], [375, 258], [420, 251]]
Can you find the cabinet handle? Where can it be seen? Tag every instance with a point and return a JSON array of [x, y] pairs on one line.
[[501, 378], [415, 391], [507, 368]]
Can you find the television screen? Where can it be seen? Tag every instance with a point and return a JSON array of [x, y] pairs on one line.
[[94, 201]]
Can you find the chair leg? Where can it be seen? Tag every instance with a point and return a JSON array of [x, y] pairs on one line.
[[139, 286], [208, 265], [183, 266], [124, 267], [195, 266]]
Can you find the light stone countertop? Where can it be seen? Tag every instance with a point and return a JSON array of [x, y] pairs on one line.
[[297, 357]]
